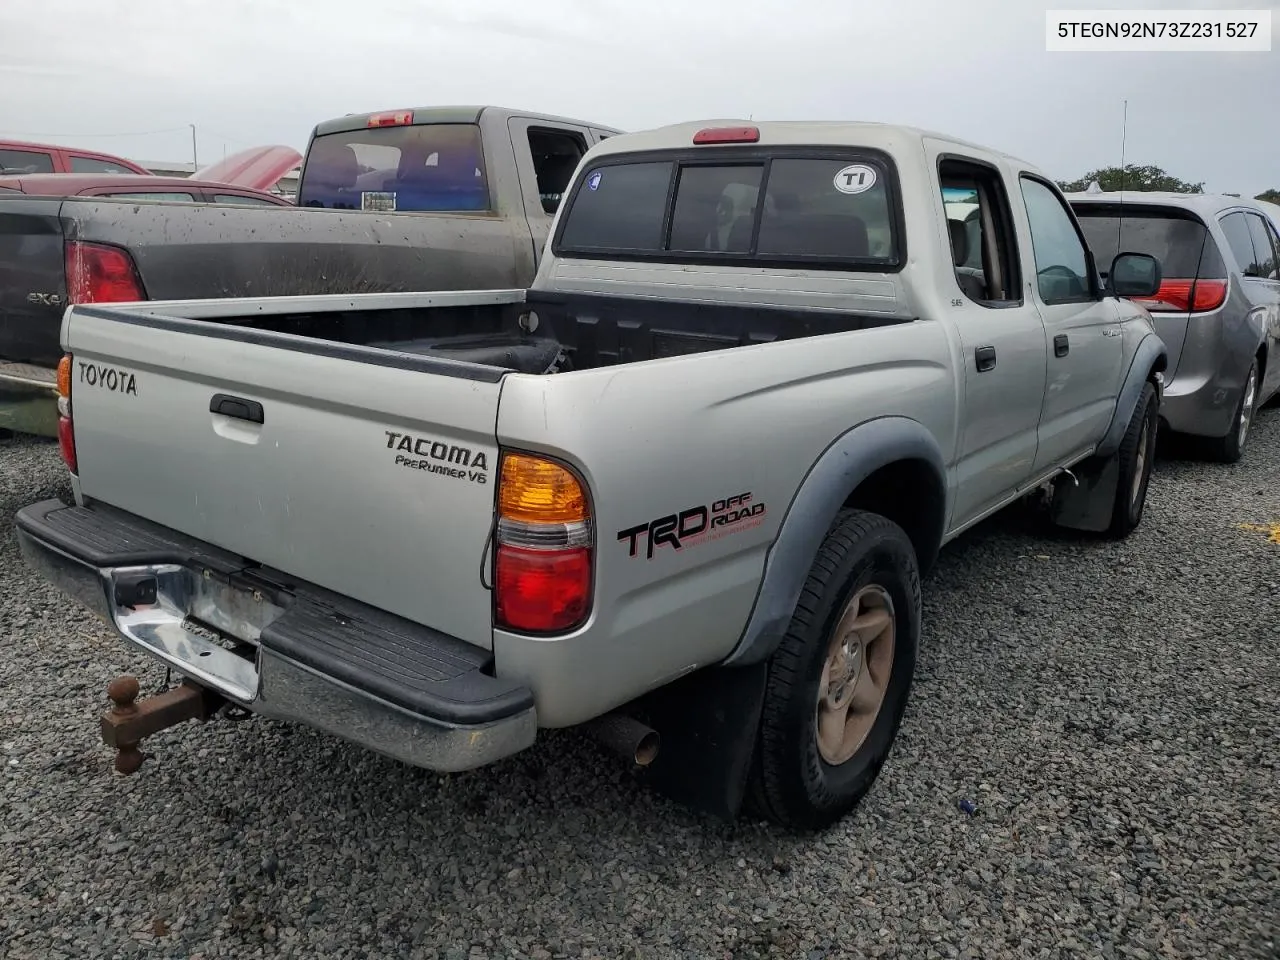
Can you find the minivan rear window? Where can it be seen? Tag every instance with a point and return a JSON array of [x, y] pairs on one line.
[[1177, 239], [836, 211], [433, 166]]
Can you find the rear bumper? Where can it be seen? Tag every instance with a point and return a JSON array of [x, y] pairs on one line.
[[1201, 406], [281, 649], [28, 399]]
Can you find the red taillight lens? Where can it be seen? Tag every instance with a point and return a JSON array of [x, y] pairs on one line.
[[543, 565], [542, 590], [727, 135], [67, 442], [97, 273], [1186, 296], [1208, 295]]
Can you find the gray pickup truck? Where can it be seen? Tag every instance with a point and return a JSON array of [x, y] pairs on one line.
[[437, 198], [682, 490]]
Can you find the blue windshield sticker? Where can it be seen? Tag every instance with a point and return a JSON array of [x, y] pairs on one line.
[[593, 181]]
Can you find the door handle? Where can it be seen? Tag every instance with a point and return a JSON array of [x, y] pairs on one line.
[[237, 408], [985, 357], [1061, 345]]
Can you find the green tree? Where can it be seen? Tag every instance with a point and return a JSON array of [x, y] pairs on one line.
[[1271, 196], [1132, 177]]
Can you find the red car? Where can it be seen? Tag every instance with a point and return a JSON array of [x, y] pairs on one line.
[[17, 157], [137, 187]]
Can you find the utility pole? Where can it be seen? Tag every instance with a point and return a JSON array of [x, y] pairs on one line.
[[195, 163]]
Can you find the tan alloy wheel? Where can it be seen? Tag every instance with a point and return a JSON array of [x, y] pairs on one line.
[[855, 675]]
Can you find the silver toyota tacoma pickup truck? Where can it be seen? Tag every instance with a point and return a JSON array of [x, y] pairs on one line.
[[686, 484]]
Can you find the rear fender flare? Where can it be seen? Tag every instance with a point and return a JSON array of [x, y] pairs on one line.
[[846, 463], [1150, 351]]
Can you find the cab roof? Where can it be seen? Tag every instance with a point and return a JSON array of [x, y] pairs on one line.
[[446, 114], [853, 133]]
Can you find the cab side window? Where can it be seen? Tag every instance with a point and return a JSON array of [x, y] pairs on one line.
[[984, 251], [1236, 230], [1062, 266], [1264, 253], [556, 154]]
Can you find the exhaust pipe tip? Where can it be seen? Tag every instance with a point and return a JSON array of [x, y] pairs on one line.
[[626, 736], [647, 749]]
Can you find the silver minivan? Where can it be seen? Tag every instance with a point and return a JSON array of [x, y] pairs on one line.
[[1218, 307]]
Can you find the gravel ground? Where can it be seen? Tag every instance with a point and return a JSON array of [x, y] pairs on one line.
[[1110, 709]]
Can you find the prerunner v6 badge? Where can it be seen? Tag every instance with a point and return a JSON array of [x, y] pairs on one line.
[[437, 457]]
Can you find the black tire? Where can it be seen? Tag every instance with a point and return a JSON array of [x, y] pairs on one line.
[[1136, 455], [791, 783], [1230, 449]]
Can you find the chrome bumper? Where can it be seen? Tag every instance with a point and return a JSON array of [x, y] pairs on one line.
[[476, 722]]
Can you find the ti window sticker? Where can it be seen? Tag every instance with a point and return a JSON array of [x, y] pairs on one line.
[[855, 178], [593, 181]]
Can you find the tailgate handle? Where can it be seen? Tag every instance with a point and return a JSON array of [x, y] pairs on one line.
[[236, 407]]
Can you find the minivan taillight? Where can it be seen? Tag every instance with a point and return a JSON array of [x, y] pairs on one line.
[[543, 562], [97, 273], [1186, 296], [66, 432]]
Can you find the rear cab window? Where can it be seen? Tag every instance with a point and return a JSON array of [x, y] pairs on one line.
[[390, 169], [829, 208]]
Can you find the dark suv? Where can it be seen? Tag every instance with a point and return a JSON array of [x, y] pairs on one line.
[[1218, 308]]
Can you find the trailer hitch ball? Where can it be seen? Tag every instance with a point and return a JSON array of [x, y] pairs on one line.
[[129, 720], [122, 692]]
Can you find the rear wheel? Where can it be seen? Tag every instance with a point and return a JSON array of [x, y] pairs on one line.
[[1136, 456], [839, 681], [1230, 449]]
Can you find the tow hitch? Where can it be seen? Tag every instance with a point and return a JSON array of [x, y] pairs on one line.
[[130, 720]]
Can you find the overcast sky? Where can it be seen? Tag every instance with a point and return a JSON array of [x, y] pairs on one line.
[[127, 76]]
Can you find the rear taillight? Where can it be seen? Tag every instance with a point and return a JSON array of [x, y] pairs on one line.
[[97, 273], [66, 432], [543, 563], [1186, 296]]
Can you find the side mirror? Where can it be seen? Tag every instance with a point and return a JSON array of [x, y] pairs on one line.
[[1135, 275]]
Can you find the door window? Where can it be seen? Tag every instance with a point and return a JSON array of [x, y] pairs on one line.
[[556, 154], [25, 161], [1062, 271], [94, 165], [1237, 233], [984, 251], [1264, 254], [152, 195], [241, 199]]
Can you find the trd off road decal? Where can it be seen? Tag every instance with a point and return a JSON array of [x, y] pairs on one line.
[[438, 457], [108, 378], [688, 528]]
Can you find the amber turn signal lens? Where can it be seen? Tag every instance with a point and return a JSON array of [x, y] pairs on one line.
[[64, 376], [534, 490]]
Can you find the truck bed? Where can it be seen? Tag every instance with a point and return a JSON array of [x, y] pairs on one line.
[[354, 442], [534, 332]]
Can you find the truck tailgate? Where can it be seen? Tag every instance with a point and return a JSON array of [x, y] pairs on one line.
[[370, 474]]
